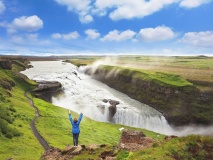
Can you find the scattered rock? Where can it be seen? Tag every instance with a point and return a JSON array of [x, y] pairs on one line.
[[51, 154], [93, 147], [107, 155], [67, 153], [103, 145], [113, 102], [105, 100], [170, 137], [134, 140]]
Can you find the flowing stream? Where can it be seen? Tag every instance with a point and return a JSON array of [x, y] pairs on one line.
[[84, 94]]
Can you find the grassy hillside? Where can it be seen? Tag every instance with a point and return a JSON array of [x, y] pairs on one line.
[[16, 138], [54, 125]]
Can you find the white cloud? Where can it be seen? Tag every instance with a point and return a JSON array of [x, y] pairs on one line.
[[81, 7], [32, 37], [92, 34], [116, 35], [56, 36], [71, 35], [124, 9], [193, 3], [86, 19], [159, 33], [201, 39], [2, 7], [30, 24], [22, 39], [17, 39], [75, 4]]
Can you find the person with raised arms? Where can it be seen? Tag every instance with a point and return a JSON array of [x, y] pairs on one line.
[[75, 128]]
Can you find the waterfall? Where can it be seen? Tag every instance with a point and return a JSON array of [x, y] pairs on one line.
[[83, 94]]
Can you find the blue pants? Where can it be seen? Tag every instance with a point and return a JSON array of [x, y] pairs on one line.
[[75, 139]]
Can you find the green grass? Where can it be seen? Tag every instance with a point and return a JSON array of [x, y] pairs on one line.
[[55, 127], [14, 106], [190, 147], [158, 77], [82, 61], [25, 146]]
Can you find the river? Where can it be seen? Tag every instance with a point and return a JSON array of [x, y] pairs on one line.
[[83, 94]]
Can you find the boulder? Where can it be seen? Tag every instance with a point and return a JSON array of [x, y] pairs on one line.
[[134, 140], [112, 109]]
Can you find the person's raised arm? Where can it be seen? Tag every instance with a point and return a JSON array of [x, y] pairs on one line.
[[70, 117], [80, 117]]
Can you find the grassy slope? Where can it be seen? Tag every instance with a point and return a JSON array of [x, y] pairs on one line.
[[54, 125], [25, 146], [190, 147]]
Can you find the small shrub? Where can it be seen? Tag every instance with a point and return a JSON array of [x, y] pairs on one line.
[[123, 154], [12, 109], [155, 144], [8, 131], [9, 135]]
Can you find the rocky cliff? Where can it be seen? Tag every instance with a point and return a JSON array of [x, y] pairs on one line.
[[46, 89], [179, 104]]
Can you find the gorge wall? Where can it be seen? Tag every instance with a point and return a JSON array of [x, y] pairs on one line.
[[180, 105]]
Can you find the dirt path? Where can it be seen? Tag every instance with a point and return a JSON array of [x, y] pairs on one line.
[[33, 127]]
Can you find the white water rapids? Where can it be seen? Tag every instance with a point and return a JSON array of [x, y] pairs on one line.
[[84, 94]]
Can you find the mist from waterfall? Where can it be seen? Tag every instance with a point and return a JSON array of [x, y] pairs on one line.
[[81, 93]]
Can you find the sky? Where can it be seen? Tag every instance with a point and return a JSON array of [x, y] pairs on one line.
[[106, 27]]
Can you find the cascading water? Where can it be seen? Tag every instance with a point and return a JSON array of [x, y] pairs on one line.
[[83, 94]]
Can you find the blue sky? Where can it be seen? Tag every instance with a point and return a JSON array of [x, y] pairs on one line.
[[73, 27]]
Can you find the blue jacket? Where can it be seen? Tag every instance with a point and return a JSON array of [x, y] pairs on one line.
[[75, 126]]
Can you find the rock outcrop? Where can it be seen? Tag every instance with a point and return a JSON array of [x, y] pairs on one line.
[[6, 64], [46, 89], [68, 153], [112, 108], [134, 140]]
